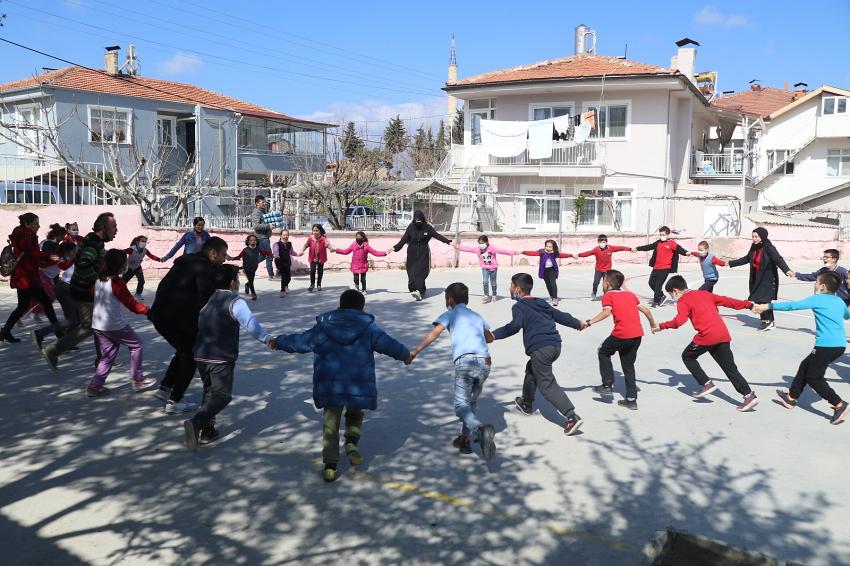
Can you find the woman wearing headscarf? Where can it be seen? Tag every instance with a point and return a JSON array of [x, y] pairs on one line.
[[417, 236], [765, 263]]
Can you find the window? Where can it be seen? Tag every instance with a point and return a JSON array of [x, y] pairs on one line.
[[543, 210], [838, 162], [834, 105], [546, 111], [165, 131], [611, 121], [109, 124], [776, 157], [481, 109], [2, 121], [607, 209], [28, 124]]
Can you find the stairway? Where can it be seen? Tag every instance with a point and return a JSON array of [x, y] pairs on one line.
[[788, 158]]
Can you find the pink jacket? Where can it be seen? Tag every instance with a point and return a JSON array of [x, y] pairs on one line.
[[317, 249], [486, 258], [360, 256]]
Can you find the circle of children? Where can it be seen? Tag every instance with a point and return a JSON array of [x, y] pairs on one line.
[[199, 312]]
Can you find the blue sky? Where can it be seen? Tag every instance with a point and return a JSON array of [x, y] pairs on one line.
[[366, 61]]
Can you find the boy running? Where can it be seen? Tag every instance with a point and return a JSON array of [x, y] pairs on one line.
[[664, 261], [625, 339], [472, 362], [712, 337], [708, 263], [602, 252], [536, 318], [830, 263]]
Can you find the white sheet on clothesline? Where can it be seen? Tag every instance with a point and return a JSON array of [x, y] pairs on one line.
[[503, 138], [540, 139]]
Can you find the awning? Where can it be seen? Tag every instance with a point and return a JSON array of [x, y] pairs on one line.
[[393, 188]]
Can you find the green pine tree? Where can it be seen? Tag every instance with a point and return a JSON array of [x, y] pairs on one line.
[[395, 136], [441, 146], [457, 128], [352, 144]]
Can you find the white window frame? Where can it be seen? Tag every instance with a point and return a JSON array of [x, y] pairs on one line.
[[838, 153], [551, 105], [2, 128], [834, 105], [618, 193], [773, 158], [115, 109], [33, 134], [528, 192], [490, 111], [627, 103], [172, 126]]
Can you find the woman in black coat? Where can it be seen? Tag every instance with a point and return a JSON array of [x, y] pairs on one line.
[[417, 236], [765, 263]]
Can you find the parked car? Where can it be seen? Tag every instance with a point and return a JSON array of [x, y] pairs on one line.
[[28, 193], [362, 218]]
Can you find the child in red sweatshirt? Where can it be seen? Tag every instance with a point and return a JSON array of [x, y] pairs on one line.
[[712, 336], [664, 261], [602, 252]]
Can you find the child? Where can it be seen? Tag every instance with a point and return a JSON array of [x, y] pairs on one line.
[[469, 333], [111, 328], [343, 343], [708, 263], [625, 339], [360, 251], [135, 254], [536, 318], [664, 261], [317, 256], [283, 252], [548, 270], [488, 260], [830, 313], [250, 257], [602, 252], [712, 337], [216, 350], [830, 264]]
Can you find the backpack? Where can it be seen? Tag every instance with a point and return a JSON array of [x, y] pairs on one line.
[[8, 261]]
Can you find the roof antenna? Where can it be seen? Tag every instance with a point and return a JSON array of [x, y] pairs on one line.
[[625, 54]]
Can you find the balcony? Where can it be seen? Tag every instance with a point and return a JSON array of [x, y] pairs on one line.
[[715, 166], [568, 160]]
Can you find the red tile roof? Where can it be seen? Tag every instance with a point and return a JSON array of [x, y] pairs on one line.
[[90, 80], [761, 102], [582, 65]]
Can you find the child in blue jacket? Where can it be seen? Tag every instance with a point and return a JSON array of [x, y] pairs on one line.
[[343, 343]]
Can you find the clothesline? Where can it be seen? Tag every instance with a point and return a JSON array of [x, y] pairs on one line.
[[507, 138]]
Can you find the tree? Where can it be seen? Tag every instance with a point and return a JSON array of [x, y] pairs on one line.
[[352, 143], [441, 146], [422, 152], [457, 128], [395, 136]]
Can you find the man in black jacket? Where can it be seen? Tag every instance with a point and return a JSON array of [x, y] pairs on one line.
[[664, 261], [180, 296]]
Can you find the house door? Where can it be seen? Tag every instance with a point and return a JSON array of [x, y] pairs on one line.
[[189, 138]]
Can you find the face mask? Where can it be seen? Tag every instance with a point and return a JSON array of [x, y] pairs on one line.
[[252, 246], [359, 240], [482, 246], [663, 237], [517, 296], [75, 232], [602, 245], [142, 245], [703, 254]]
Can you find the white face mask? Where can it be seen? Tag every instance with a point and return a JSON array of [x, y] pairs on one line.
[[252, 246], [482, 246], [142, 245], [75, 232], [703, 253], [663, 237], [602, 245]]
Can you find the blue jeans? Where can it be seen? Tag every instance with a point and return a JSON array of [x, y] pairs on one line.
[[471, 372], [266, 246], [489, 276]]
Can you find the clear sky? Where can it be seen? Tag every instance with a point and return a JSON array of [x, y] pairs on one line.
[[370, 60]]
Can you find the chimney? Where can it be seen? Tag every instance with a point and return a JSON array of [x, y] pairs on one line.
[[785, 86], [685, 59], [110, 60], [582, 34]]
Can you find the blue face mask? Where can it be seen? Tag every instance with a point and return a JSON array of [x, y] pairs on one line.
[[517, 296]]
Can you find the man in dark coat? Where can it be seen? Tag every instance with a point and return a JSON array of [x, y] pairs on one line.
[[765, 263], [417, 236]]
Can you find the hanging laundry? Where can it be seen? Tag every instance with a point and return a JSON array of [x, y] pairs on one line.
[[540, 139], [502, 138], [590, 118], [583, 132], [562, 123]]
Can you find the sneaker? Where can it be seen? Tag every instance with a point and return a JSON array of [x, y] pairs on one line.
[[37, 339], [363, 291], [139, 297], [6, 336], [604, 389], [785, 399], [254, 297], [209, 435], [652, 304], [662, 302], [52, 361], [318, 287], [462, 444], [573, 424], [175, 408], [94, 391], [282, 294], [192, 434], [840, 413], [630, 404], [353, 454], [143, 384], [416, 295], [310, 289], [485, 299], [486, 439], [767, 326], [709, 387], [524, 408], [750, 402], [329, 473], [163, 393], [593, 296]]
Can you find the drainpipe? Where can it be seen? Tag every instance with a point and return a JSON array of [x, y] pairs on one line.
[[666, 162], [238, 120], [197, 114]]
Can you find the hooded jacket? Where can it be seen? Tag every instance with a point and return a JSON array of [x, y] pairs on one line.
[[343, 343], [182, 294], [360, 256], [536, 318], [764, 282]]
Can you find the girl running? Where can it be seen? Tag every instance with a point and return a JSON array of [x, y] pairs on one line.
[[135, 254], [250, 257], [360, 250], [548, 270], [318, 246]]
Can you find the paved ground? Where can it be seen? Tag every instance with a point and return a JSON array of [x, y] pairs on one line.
[[109, 481]]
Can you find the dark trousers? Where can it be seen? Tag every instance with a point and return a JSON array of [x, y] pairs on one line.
[[265, 245], [218, 390], [538, 375], [140, 279], [550, 277], [722, 354], [316, 272], [628, 349], [249, 284], [767, 316], [181, 369], [416, 281], [285, 272], [656, 283], [360, 280], [708, 285], [597, 278], [811, 373], [24, 298]]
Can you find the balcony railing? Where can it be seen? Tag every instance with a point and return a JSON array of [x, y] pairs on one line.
[[563, 153], [717, 164]]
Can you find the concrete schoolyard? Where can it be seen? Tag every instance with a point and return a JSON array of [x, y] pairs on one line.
[[109, 481]]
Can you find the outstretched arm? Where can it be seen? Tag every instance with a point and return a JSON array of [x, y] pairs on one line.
[[681, 318], [302, 343], [605, 313], [180, 243], [567, 319], [429, 338], [648, 314], [242, 314]]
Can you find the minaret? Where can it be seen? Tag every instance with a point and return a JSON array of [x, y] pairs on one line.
[[452, 105]]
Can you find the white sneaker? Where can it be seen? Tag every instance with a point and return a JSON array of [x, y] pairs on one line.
[[172, 408], [416, 295], [363, 291]]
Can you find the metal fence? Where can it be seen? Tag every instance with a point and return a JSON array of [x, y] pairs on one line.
[[36, 180]]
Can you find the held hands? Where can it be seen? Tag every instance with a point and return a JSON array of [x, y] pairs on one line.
[[791, 273], [271, 343], [584, 324], [655, 329], [410, 358], [758, 309]]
